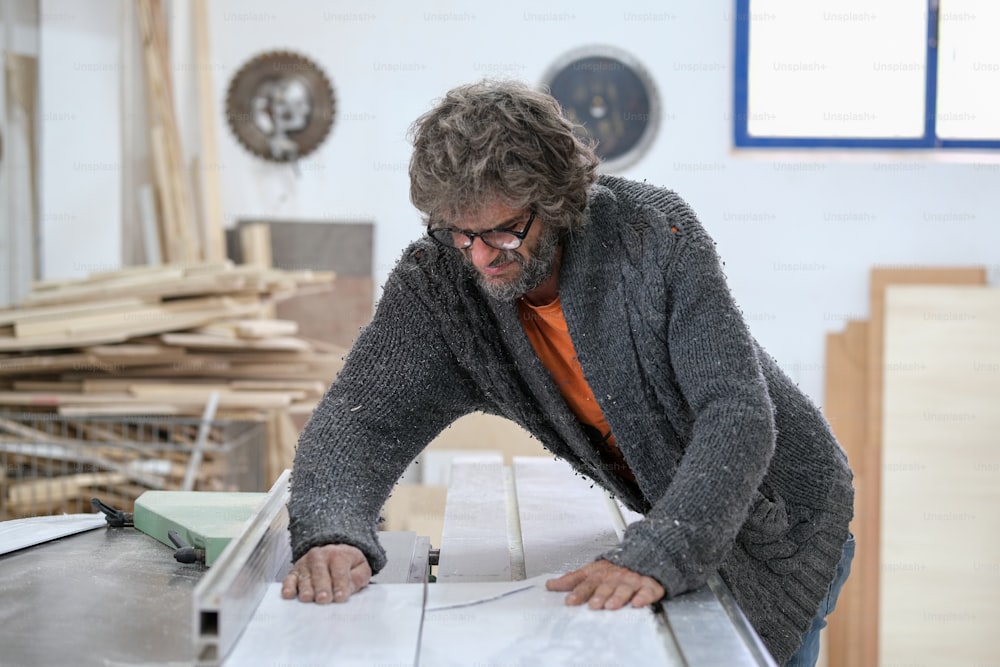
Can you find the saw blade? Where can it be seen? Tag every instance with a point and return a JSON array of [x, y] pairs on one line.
[[280, 106]]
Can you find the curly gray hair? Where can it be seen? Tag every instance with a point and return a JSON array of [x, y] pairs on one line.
[[499, 140]]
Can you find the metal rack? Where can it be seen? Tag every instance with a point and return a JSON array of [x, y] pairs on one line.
[[53, 464]]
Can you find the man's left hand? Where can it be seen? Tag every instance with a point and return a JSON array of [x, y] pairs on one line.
[[604, 585]]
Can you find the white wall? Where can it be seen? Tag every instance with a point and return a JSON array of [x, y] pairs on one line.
[[798, 238], [18, 38], [81, 160]]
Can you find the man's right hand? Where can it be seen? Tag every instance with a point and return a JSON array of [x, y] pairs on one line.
[[331, 573]]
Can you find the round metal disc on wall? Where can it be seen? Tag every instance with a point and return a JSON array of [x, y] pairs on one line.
[[612, 96], [280, 106]]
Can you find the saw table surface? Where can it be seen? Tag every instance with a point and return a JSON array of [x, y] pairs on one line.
[[113, 596], [117, 597], [110, 596], [506, 531]]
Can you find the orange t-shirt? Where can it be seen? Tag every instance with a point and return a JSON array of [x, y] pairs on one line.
[[549, 334]]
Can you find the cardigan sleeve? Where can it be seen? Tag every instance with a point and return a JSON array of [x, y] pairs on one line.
[[399, 387], [691, 528]]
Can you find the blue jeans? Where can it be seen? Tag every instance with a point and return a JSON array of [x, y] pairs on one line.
[[808, 653]]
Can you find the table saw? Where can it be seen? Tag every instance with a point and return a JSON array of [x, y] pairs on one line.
[[115, 596]]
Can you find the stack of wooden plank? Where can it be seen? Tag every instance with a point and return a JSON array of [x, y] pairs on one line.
[[165, 340]]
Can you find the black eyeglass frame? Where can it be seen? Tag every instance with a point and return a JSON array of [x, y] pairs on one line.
[[520, 236]]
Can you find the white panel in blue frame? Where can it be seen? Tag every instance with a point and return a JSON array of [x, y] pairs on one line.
[[755, 128]]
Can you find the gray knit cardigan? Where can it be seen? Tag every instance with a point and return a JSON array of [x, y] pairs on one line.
[[739, 471]]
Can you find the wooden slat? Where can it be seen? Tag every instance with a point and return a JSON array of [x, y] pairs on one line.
[[124, 385], [171, 179], [201, 341], [134, 350], [62, 386], [221, 368], [18, 315], [56, 490], [354, 634], [258, 328], [85, 324], [170, 247], [125, 355], [255, 240], [165, 281], [182, 399], [310, 388], [180, 315], [186, 393], [128, 410], [272, 454], [846, 409], [474, 540], [53, 399], [26, 365], [139, 273], [266, 328], [565, 523], [288, 440], [211, 189], [149, 223], [531, 626], [148, 286]]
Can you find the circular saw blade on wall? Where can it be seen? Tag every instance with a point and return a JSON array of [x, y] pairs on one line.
[[280, 106], [612, 96]]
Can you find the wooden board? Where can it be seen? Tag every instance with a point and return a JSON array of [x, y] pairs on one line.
[[379, 626], [478, 432], [14, 315], [565, 523], [255, 242], [22, 533], [474, 540], [533, 626], [180, 242], [867, 554], [200, 341], [940, 546], [168, 318], [213, 232], [418, 508]]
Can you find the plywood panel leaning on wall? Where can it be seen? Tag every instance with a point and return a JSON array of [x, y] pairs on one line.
[[854, 397], [941, 476]]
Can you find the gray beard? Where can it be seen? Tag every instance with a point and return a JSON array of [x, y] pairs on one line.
[[534, 271]]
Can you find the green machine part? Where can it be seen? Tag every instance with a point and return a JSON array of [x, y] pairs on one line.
[[203, 519]]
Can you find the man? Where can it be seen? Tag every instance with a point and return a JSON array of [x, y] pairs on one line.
[[594, 313]]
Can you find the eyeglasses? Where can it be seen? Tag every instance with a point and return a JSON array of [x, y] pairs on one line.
[[501, 239]]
